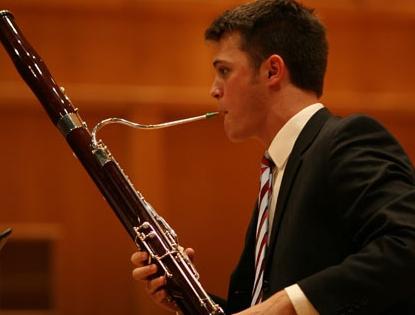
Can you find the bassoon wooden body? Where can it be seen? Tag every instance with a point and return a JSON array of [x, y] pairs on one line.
[[146, 228]]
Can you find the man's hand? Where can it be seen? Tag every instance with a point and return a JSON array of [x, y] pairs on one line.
[[154, 286], [278, 304]]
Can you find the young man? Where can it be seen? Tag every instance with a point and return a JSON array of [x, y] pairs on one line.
[[334, 227]]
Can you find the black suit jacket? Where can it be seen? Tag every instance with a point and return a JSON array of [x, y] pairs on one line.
[[344, 227]]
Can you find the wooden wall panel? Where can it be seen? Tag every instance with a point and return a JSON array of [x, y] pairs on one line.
[[146, 60], [44, 184]]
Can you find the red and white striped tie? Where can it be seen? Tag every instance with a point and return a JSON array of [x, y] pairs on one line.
[[264, 199]]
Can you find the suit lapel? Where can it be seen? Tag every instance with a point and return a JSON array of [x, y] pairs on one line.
[[305, 139]]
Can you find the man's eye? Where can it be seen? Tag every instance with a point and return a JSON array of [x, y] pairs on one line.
[[223, 71]]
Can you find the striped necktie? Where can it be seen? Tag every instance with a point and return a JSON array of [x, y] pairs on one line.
[[264, 199]]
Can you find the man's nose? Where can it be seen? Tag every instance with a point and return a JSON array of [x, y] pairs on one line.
[[215, 91]]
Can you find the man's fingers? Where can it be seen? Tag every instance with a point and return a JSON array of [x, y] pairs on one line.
[[142, 273], [160, 296], [165, 300], [139, 258], [190, 252], [153, 286]]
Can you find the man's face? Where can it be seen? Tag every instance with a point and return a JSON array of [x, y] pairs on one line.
[[239, 89]]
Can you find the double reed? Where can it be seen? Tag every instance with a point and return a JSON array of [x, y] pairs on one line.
[[148, 230]]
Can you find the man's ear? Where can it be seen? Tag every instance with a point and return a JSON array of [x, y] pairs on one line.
[[275, 69]]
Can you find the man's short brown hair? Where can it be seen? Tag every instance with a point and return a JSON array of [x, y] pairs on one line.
[[282, 27]]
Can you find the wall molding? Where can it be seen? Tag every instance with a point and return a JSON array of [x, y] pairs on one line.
[[102, 97], [399, 7]]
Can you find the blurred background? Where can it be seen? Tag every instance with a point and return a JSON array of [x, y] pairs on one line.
[[146, 60]]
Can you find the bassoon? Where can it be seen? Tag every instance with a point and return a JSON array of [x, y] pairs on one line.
[[148, 230]]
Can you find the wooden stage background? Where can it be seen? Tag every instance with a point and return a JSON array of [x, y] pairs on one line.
[[147, 61]]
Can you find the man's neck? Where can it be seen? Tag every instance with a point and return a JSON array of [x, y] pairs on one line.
[[285, 106]]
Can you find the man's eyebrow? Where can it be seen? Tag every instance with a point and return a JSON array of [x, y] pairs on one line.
[[217, 61]]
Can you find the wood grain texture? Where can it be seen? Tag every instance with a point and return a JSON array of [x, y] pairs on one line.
[[147, 61]]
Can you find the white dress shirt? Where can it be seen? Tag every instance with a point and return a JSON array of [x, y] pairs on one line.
[[279, 151]]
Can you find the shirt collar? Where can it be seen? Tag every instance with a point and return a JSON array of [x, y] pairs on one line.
[[283, 143]]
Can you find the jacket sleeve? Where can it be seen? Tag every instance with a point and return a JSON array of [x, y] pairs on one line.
[[373, 189]]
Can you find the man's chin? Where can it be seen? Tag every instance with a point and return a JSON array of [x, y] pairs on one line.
[[234, 136], [236, 140]]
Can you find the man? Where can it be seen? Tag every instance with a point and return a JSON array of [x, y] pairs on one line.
[[336, 232]]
